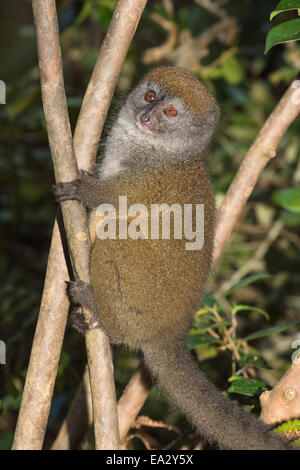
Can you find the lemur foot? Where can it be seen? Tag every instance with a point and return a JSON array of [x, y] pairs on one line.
[[82, 295], [66, 191]]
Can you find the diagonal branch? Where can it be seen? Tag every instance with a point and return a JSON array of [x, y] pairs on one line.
[[80, 417], [261, 151], [48, 339], [104, 80]]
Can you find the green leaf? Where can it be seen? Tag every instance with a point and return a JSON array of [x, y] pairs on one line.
[[282, 33], [291, 429], [246, 281], [210, 301], [290, 219], [252, 361], [271, 331], [202, 327], [288, 198], [248, 387], [233, 70], [293, 425], [285, 5], [196, 340], [239, 308], [214, 73]]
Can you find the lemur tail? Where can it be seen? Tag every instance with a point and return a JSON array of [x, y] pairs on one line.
[[215, 417]]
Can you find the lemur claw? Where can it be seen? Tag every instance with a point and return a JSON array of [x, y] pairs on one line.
[[79, 321], [88, 174], [81, 295]]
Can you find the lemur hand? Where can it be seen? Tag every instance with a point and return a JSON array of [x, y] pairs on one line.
[[71, 190]]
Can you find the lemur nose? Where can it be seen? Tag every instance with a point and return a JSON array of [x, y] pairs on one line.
[[145, 118]]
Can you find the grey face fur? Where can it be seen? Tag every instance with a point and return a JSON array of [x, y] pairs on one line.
[[145, 135]]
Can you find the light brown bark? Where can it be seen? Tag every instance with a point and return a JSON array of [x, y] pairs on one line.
[[282, 403]]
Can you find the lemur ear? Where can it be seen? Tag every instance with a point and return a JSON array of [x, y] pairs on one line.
[[213, 114]]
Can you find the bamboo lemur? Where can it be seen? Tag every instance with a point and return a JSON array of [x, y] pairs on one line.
[[144, 291]]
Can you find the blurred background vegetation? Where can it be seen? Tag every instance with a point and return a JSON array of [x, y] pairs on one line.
[[225, 48]]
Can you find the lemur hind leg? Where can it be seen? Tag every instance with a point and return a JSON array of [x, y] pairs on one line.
[[81, 294]]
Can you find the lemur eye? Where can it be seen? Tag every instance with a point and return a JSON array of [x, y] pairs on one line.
[[170, 111], [150, 96]]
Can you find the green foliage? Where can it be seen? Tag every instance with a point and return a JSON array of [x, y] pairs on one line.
[[271, 331], [251, 360], [231, 69], [246, 281], [291, 429], [285, 32], [213, 327], [288, 198], [285, 5], [241, 308], [99, 10], [199, 339], [247, 387]]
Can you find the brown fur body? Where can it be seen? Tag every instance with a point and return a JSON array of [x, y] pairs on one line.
[[147, 289]]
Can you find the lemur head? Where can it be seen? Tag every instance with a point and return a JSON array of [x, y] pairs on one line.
[[171, 109], [169, 115]]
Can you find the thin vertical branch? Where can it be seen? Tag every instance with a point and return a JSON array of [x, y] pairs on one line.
[[74, 216], [104, 79], [53, 313], [80, 417], [45, 353], [133, 398], [76, 423]]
